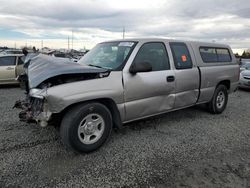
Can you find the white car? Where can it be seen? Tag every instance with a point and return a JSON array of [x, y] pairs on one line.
[[245, 76]]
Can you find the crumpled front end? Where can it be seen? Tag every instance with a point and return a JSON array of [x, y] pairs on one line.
[[34, 108], [43, 73]]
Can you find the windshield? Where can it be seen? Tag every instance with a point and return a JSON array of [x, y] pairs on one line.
[[109, 55]]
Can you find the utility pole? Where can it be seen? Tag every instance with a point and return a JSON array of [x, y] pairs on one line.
[[72, 40], [68, 43], [123, 32], [42, 45]]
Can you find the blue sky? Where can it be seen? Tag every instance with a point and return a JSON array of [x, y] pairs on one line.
[[93, 21]]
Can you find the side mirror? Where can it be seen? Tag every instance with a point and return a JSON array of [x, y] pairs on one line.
[[140, 67]]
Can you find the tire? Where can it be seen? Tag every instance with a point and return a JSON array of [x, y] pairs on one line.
[[219, 101], [86, 127]]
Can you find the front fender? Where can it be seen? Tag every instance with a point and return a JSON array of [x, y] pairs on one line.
[[61, 96]]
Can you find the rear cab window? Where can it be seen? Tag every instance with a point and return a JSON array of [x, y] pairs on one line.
[[181, 55], [215, 54]]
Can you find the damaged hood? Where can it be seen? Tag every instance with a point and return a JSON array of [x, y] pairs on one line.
[[43, 67]]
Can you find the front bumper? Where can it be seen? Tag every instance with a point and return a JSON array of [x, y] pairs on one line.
[[34, 110]]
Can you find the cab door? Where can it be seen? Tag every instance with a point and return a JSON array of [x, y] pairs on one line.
[[149, 93], [7, 69]]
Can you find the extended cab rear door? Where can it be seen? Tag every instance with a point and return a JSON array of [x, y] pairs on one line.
[[149, 93], [186, 75]]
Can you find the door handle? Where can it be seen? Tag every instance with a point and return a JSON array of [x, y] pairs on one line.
[[9, 68], [170, 78]]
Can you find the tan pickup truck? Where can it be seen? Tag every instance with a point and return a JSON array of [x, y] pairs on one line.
[[11, 66], [125, 80]]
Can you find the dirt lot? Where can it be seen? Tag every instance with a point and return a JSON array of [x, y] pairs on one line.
[[187, 148]]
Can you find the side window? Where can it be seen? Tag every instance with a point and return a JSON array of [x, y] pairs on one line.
[[182, 58], [223, 55], [7, 61], [154, 53], [208, 54], [213, 55]]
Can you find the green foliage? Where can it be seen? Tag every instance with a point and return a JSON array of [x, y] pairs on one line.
[[237, 55]]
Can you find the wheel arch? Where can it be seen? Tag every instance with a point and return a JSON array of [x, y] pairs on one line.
[[225, 83], [109, 103]]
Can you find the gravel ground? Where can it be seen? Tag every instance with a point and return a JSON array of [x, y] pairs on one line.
[[187, 148]]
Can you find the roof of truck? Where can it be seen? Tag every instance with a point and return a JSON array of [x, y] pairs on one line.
[[201, 43]]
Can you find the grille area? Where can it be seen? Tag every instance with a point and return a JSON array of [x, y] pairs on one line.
[[36, 105]]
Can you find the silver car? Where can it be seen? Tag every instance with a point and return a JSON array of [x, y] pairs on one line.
[[122, 81], [245, 76], [11, 66]]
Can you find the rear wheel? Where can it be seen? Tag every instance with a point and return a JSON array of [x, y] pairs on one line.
[[219, 101], [86, 127]]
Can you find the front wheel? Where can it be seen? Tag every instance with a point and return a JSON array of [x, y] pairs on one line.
[[86, 127], [219, 101]]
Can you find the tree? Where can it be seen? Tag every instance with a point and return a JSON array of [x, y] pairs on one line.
[[246, 54], [237, 55], [243, 54]]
